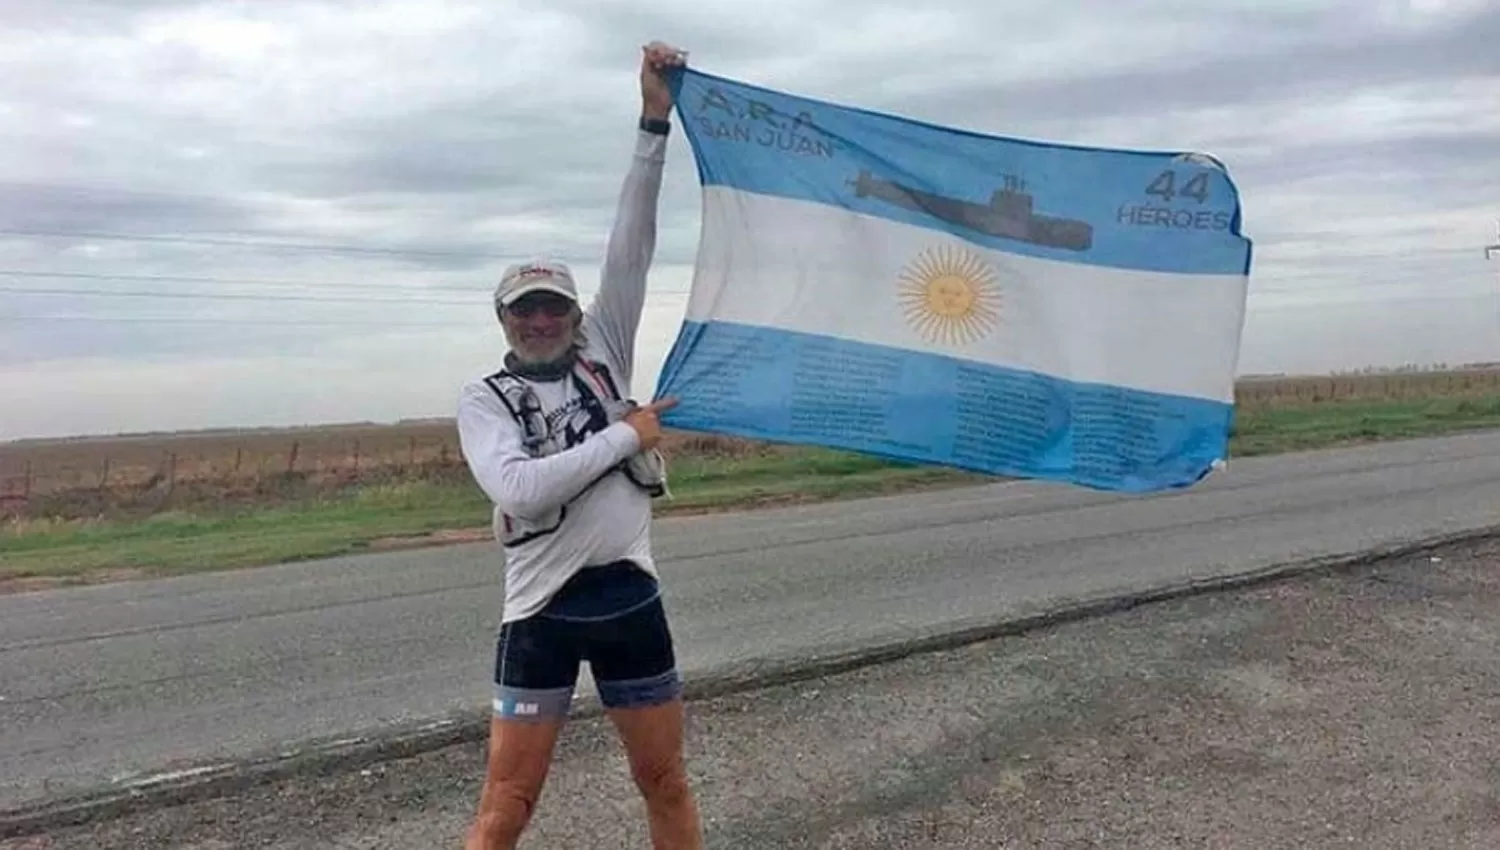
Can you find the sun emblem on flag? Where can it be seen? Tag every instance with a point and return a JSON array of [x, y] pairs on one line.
[[950, 295]]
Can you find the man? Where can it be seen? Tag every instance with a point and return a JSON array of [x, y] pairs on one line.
[[572, 470]]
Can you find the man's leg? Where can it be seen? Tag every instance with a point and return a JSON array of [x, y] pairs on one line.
[[634, 665], [653, 742], [520, 755], [536, 668]]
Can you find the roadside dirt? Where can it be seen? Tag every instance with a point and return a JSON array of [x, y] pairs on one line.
[[27, 584], [1350, 711]]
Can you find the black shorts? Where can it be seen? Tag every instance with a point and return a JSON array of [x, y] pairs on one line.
[[610, 616]]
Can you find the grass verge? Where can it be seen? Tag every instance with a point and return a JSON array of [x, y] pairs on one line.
[[406, 513], [1278, 430], [47, 552]]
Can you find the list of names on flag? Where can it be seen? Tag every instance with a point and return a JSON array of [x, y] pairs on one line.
[[1113, 430], [836, 390], [1001, 420], [735, 356]]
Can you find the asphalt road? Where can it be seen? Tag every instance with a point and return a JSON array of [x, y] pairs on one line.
[[114, 683], [1346, 709]]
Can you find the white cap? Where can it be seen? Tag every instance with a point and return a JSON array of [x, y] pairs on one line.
[[535, 276]]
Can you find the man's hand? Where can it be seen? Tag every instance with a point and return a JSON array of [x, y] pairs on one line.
[[647, 421], [656, 97]]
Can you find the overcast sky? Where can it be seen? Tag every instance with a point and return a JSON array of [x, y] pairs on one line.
[[414, 148]]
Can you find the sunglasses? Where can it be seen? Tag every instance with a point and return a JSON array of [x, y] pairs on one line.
[[551, 305]]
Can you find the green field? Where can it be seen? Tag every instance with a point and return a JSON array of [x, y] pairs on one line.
[[223, 533]]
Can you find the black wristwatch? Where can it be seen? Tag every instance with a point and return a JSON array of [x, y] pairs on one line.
[[659, 126]]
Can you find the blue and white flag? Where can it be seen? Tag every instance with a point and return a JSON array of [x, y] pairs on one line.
[[876, 284]]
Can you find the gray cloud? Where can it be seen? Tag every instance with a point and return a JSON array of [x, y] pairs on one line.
[[1244, 62], [448, 138], [82, 16], [65, 208]]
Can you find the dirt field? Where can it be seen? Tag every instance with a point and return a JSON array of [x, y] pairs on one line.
[[81, 477], [1264, 392]]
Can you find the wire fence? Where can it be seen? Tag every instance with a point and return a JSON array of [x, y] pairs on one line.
[[1260, 393], [98, 466], [83, 478]]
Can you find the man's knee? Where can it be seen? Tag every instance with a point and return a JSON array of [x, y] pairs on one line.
[[662, 779], [509, 805]]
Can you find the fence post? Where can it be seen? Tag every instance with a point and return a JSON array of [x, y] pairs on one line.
[[356, 454], [172, 472], [291, 461], [104, 473], [26, 487]]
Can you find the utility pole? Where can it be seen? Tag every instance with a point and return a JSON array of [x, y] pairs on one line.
[[1492, 250]]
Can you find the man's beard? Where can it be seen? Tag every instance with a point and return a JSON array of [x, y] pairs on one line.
[[551, 361], [544, 354]]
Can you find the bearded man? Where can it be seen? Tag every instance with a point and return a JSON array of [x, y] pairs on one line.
[[572, 467]]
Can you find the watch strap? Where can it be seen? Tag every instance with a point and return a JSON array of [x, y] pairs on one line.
[[659, 126]]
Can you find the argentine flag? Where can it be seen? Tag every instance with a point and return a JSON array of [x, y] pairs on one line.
[[876, 284]]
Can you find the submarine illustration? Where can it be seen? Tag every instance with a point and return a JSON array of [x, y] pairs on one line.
[[1009, 214]]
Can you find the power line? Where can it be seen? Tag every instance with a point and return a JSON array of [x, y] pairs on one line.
[[1376, 302], [233, 296], [218, 320], [1386, 256], [417, 288], [1349, 287], [481, 298], [256, 243], [230, 281], [113, 319], [227, 201]]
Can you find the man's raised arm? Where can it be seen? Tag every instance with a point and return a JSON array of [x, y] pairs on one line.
[[614, 316]]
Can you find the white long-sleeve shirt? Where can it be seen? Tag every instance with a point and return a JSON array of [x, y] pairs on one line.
[[612, 520]]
